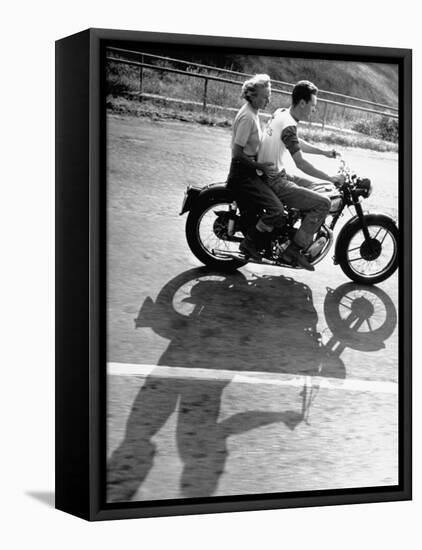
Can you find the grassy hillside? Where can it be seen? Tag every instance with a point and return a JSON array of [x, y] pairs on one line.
[[372, 81]]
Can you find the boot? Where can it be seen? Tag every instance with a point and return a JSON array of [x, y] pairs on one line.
[[293, 252], [252, 244]]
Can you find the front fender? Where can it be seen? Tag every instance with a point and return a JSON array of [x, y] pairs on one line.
[[351, 226]]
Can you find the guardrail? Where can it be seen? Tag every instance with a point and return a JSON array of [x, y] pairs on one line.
[[388, 111]]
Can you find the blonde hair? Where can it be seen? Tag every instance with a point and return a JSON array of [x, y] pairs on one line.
[[250, 87]]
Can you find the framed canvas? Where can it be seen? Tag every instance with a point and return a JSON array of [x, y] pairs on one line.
[[233, 282]]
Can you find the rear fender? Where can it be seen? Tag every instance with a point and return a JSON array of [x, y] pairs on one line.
[[191, 196], [194, 195]]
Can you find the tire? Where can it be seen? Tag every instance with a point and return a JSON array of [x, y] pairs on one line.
[[360, 317], [202, 250], [170, 312], [352, 253]]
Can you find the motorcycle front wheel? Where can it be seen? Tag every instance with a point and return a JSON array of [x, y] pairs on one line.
[[206, 234], [369, 261]]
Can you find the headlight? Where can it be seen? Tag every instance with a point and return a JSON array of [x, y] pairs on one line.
[[364, 187]]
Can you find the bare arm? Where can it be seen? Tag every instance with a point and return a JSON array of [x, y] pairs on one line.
[[310, 169], [312, 150], [238, 153]]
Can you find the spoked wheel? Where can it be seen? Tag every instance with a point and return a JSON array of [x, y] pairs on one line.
[[208, 238], [359, 316], [369, 261]]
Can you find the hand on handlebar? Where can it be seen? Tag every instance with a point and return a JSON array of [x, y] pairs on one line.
[[338, 180], [332, 154]]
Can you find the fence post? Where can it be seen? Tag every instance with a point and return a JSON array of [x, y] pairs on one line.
[[204, 104], [141, 78], [324, 116]]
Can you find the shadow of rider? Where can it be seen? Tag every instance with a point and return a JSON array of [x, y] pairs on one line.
[[217, 323]]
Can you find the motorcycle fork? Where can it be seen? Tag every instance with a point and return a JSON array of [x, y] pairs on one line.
[[362, 220]]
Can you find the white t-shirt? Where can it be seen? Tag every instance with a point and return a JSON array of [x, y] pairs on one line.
[[279, 136], [247, 130]]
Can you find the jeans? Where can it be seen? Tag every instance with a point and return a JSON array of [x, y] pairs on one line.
[[297, 192], [249, 189]]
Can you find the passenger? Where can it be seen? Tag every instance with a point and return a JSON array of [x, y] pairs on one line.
[[243, 178]]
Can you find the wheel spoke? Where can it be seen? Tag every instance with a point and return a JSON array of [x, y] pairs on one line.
[[385, 234], [378, 232], [359, 322], [345, 307]]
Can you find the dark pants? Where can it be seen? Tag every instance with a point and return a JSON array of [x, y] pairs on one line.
[[250, 190], [297, 193]]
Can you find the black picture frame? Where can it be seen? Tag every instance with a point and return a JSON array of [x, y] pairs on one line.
[[81, 277]]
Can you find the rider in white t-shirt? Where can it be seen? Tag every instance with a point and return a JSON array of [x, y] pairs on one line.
[[279, 138]]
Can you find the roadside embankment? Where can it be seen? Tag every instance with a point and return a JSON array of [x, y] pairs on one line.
[[166, 109]]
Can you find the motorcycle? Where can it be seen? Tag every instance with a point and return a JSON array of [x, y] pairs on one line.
[[366, 247]]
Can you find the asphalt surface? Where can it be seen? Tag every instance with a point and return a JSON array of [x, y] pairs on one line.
[[264, 381]]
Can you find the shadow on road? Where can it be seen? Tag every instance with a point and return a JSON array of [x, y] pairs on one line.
[[216, 321]]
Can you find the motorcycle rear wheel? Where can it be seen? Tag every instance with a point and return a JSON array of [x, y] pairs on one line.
[[203, 240]]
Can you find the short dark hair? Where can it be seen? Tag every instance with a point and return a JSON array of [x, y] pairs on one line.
[[303, 90]]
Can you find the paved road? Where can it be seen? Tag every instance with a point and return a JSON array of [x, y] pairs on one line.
[[239, 384]]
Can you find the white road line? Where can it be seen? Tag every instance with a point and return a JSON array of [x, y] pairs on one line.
[[250, 377]]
